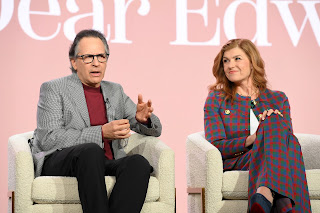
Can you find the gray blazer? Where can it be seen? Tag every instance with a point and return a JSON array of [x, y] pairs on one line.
[[63, 119]]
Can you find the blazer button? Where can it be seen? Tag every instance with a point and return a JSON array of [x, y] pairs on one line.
[[227, 112]]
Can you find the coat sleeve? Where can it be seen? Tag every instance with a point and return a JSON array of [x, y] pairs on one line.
[[52, 131], [215, 130], [286, 111], [130, 109]]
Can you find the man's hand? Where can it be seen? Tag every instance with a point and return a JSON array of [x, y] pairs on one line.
[[144, 110], [117, 129]]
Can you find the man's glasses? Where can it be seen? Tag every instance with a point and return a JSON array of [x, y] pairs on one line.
[[88, 58]]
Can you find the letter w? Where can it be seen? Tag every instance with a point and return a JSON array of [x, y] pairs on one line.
[[311, 15]]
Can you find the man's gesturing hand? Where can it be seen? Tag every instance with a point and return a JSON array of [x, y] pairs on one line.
[[144, 110], [117, 129]]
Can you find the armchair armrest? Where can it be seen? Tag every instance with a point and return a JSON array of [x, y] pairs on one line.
[[310, 147], [161, 158], [204, 169], [20, 171]]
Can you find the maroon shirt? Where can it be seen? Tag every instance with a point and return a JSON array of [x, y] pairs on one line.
[[97, 113]]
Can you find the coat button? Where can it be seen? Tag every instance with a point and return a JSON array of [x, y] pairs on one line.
[[227, 112]]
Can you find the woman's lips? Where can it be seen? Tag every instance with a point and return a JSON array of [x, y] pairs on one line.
[[232, 71]]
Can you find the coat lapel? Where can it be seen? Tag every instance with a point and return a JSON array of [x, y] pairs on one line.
[[107, 99], [77, 93]]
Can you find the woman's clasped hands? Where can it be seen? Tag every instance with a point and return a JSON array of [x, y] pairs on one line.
[[269, 112], [251, 138]]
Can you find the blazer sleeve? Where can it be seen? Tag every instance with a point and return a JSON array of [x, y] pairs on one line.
[[130, 109], [215, 131], [52, 131], [286, 111]]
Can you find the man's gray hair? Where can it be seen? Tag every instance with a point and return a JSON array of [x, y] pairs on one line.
[[73, 51]]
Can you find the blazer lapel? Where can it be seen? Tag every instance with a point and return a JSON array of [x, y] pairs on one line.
[[110, 109], [77, 93], [106, 96]]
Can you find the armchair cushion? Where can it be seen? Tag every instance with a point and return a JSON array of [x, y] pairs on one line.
[[228, 191], [60, 194], [50, 190], [235, 184]]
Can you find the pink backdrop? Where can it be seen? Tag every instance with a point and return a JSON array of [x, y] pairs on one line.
[[162, 49]]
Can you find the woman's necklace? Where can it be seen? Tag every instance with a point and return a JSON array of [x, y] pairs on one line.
[[253, 102], [248, 94]]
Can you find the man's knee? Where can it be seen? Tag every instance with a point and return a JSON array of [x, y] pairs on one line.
[[139, 164], [91, 152]]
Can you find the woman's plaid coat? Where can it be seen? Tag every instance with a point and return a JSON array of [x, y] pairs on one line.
[[274, 160]]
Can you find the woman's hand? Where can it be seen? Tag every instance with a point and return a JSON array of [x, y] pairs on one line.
[[268, 113], [251, 138]]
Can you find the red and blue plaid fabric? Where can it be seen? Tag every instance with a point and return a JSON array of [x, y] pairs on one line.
[[275, 159]]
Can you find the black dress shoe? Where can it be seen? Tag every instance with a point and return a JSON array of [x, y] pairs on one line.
[[260, 204]]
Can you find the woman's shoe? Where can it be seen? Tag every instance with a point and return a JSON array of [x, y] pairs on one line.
[[260, 204]]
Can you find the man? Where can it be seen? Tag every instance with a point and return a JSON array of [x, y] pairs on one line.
[[83, 123]]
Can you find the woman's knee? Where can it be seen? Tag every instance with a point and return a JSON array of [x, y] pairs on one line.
[[273, 121]]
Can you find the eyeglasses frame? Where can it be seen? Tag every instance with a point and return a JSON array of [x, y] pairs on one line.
[[91, 55]]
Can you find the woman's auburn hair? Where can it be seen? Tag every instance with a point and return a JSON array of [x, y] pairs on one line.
[[258, 72]]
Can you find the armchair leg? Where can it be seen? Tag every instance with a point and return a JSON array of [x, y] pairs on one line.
[[11, 195], [175, 200], [200, 191]]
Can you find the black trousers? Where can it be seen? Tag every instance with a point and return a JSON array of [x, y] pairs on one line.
[[89, 165]]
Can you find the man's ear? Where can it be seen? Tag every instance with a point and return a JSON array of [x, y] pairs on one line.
[[73, 63]]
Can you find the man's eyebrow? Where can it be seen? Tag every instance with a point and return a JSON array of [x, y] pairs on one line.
[[96, 54]]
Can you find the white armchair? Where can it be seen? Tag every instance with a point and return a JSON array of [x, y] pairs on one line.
[[60, 194], [211, 190]]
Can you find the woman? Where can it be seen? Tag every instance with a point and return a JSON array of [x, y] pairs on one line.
[[251, 126]]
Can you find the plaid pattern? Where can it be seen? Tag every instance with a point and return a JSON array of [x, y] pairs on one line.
[[63, 119], [275, 159]]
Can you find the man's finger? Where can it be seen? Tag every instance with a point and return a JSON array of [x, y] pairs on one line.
[[144, 120], [124, 126], [140, 101], [121, 127], [123, 132], [123, 136], [149, 103], [121, 121]]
